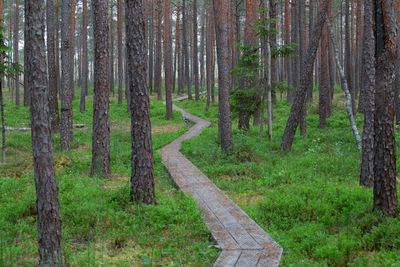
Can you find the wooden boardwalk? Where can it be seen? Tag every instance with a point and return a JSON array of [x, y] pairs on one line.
[[243, 242]]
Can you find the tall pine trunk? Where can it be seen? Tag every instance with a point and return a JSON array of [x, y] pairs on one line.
[[67, 77], [385, 193], [101, 120], [120, 63], [142, 179], [368, 97], [52, 71], [195, 51], [158, 61], [16, 57], [85, 64], [47, 203], [224, 79], [167, 58]]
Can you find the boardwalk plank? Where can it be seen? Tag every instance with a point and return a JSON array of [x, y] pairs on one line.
[[243, 241]]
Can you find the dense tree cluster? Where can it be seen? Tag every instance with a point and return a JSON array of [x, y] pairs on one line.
[[184, 46]]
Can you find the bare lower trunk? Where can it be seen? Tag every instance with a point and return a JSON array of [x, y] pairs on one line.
[[101, 121], [224, 60], [368, 96], [385, 192], [142, 179], [48, 208]]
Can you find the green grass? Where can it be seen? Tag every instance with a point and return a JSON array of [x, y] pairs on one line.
[[100, 225], [308, 199]]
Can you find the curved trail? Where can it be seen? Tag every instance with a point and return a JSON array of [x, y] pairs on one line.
[[243, 242]]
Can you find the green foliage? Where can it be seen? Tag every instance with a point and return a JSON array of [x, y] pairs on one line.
[[247, 101], [100, 225], [7, 67], [247, 96], [308, 199]]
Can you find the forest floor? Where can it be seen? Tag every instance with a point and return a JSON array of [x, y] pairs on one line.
[[308, 199], [100, 225]]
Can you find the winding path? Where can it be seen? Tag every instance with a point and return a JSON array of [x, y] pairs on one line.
[[243, 242]]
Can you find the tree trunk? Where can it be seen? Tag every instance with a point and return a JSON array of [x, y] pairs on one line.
[[142, 179], [202, 41], [288, 60], [302, 42], [224, 79], [52, 71], [178, 47], [151, 44], [310, 26], [348, 66], [273, 44], [168, 58], [101, 121], [186, 78], [208, 53], [48, 208], [112, 90], [195, 51], [120, 63], [157, 71], [324, 79], [16, 57], [368, 90], [85, 65], [67, 77], [72, 49], [385, 193], [58, 45], [306, 75]]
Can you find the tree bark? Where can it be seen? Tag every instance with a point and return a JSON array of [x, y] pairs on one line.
[[368, 90], [385, 193], [120, 62], [397, 80], [16, 57], [306, 75], [85, 64], [348, 58], [302, 42], [195, 51], [112, 84], [186, 78], [224, 79], [151, 45], [310, 26], [48, 208], [101, 121], [142, 179], [178, 47], [157, 71], [168, 58], [52, 71], [324, 79], [209, 53], [67, 77], [202, 42]]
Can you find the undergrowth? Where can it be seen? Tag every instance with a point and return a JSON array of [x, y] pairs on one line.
[[308, 199], [101, 227]]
